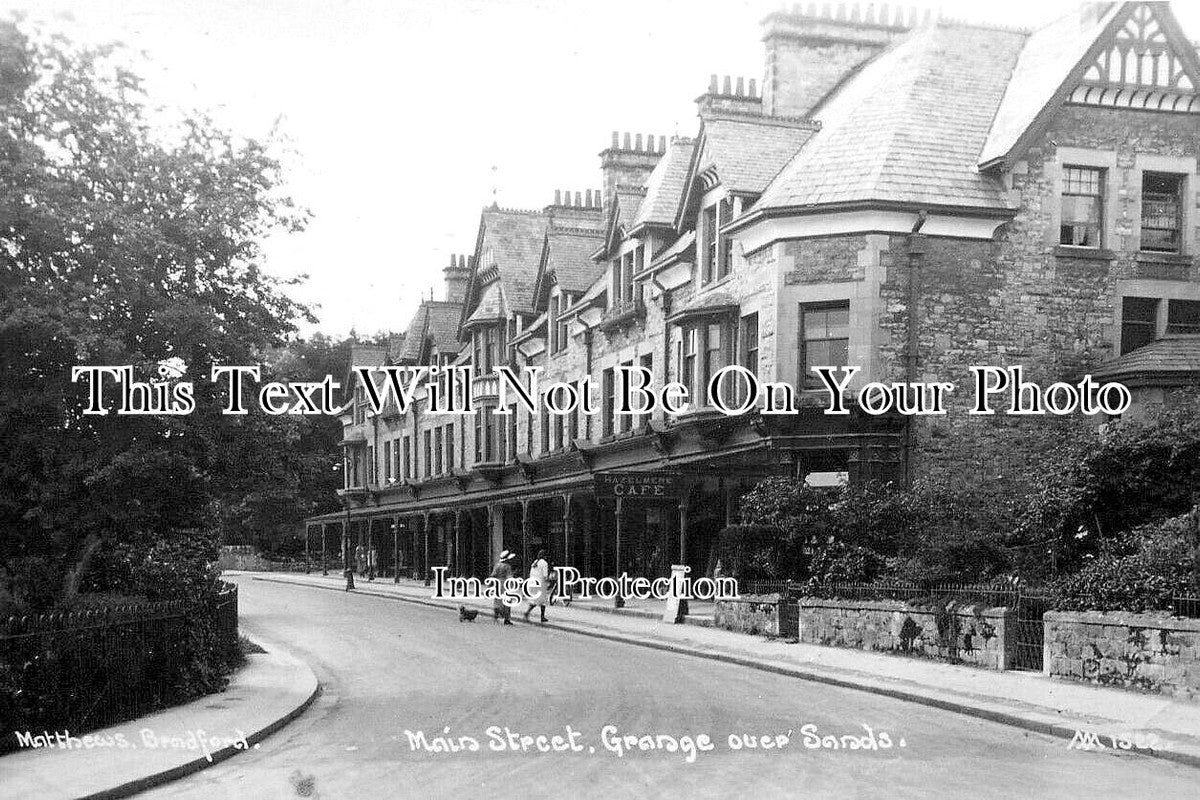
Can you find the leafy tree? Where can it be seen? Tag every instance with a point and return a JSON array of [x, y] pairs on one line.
[[128, 235], [1094, 488], [288, 462]]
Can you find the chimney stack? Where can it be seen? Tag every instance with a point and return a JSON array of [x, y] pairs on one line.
[[456, 279], [723, 96], [575, 209], [630, 163], [809, 52]]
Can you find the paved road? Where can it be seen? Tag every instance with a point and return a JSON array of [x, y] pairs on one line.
[[390, 667]]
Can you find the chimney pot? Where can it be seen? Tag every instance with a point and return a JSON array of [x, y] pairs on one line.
[[587, 198], [578, 200], [753, 88], [637, 142], [616, 140], [725, 88], [558, 197], [740, 88], [625, 141], [712, 84]]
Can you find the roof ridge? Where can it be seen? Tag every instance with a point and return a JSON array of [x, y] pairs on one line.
[[509, 210], [779, 121], [959, 22], [591, 233]]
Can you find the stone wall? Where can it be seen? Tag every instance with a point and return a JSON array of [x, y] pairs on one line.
[[241, 557], [1150, 652], [752, 614], [967, 634]]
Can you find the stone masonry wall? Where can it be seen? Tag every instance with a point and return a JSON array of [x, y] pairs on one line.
[[752, 614], [1149, 652], [968, 634]]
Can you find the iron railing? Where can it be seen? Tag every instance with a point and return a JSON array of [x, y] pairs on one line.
[[90, 668]]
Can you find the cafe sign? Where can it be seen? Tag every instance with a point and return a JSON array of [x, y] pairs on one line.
[[640, 485]]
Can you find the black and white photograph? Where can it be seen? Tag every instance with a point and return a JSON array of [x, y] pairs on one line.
[[813, 389]]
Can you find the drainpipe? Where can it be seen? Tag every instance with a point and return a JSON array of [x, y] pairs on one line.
[[666, 307], [916, 251]]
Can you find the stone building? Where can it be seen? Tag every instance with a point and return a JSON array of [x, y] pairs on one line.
[[909, 196]]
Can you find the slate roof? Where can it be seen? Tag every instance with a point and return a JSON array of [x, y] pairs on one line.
[[908, 126], [747, 152], [664, 187], [1173, 354], [707, 304], [414, 337], [1048, 56], [368, 355], [491, 304], [680, 247], [629, 201], [569, 257], [515, 238]]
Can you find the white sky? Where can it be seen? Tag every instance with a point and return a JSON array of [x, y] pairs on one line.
[[398, 110]]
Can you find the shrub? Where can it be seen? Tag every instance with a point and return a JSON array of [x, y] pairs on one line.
[[1140, 571]]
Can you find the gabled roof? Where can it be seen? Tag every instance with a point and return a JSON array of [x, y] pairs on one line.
[[435, 323], [748, 152], [513, 241], [621, 213], [742, 153], [368, 355], [567, 261], [664, 187], [1070, 58], [1175, 356], [908, 126], [491, 305], [675, 252]]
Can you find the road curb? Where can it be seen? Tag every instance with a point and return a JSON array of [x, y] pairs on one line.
[[191, 767], [1009, 718]]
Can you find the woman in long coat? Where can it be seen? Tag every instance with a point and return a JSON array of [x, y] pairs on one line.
[[502, 572]]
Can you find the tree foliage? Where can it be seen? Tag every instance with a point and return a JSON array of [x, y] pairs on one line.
[[128, 235]]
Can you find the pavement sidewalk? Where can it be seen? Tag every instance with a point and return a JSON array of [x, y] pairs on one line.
[[264, 695], [1089, 716]]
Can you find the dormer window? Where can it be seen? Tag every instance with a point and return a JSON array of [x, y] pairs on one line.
[[489, 344], [708, 230], [717, 252], [360, 405], [556, 323]]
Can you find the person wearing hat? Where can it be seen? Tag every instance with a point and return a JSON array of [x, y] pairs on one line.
[[539, 582], [501, 573]]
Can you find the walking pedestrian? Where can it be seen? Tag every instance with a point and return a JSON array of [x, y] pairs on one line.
[[348, 572], [501, 573], [372, 561], [539, 585]]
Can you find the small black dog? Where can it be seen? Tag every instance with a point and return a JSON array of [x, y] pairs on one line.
[[466, 614]]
